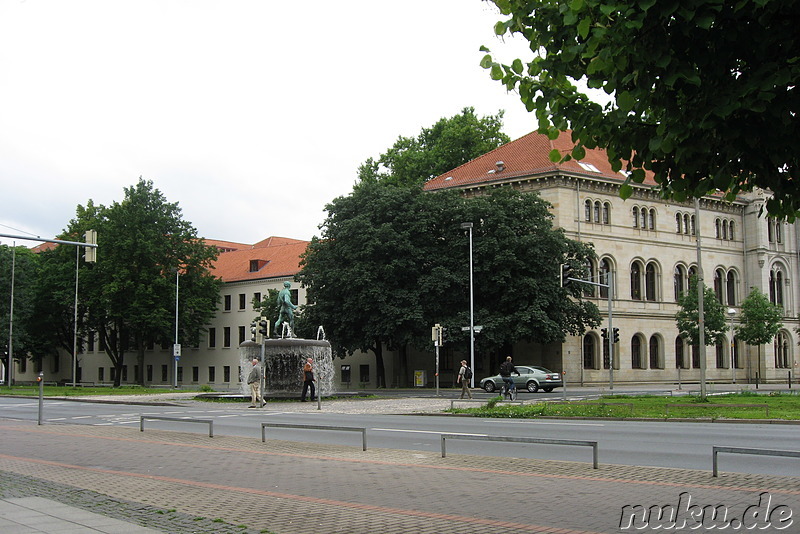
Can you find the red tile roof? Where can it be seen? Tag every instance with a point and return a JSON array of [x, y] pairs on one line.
[[273, 257], [527, 156]]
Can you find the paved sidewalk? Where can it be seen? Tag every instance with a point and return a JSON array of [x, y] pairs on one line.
[[166, 481], [60, 478]]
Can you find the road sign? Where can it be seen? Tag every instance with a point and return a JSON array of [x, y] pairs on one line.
[[176, 350]]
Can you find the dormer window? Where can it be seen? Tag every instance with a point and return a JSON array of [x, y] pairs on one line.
[[257, 265]]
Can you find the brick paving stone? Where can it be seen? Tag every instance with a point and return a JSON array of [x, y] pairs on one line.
[[163, 479]]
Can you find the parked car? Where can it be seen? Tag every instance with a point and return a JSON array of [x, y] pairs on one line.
[[532, 378]]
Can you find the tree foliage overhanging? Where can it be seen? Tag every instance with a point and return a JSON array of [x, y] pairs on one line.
[[451, 142], [688, 317], [704, 92]]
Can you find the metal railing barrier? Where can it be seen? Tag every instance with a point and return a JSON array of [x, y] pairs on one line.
[[316, 427], [179, 420], [544, 441], [757, 452]]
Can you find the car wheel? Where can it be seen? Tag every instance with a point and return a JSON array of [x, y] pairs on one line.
[[489, 386], [533, 387], [547, 390]]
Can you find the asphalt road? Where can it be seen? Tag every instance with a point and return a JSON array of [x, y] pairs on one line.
[[658, 444]]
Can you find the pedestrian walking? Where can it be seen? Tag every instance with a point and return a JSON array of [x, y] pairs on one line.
[[254, 381], [308, 380], [464, 376]]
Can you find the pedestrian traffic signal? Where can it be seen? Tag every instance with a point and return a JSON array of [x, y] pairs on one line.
[[253, 331], [604, 333], [263, 328], [566, 274], [616, 335]]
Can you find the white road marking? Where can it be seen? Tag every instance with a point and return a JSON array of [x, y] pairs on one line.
[[423, 431], [506, 421]]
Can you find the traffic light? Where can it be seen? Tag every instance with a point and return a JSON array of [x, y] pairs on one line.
[[566, 274], [90, 253], [616, 335], [436, 334], [263, 328], [604, 333], [253, 331]]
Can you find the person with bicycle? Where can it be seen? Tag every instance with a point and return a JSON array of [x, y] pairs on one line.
[[506, 369]]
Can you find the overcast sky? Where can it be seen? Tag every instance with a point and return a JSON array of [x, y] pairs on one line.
[[252, 115]]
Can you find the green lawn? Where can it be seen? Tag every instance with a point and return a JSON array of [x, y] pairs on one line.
[[68, 391], [772, 406]]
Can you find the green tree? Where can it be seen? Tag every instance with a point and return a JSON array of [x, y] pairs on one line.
[[760, 321], [704, 92], [25, 273], [687, 317], [129, 294], [391, 262], [446, 145]]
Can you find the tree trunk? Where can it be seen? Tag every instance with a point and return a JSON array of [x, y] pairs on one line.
[[380, 369]]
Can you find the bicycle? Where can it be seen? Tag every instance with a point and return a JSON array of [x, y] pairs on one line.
[[509, 393]]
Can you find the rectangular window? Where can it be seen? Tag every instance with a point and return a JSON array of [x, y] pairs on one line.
[[363, 372], [227, 303], [241, 335], [242, 301], [113, 372], [257, 296], [345, 374], [226, 373], [90, 343], [195, 374], [56, 367], [180, 374], [136, 373], [212, 374], [164, 376], [226, 337], [23, 365], [212, 338], [124, 373], [101, 374], [149, 373], [295, 295]]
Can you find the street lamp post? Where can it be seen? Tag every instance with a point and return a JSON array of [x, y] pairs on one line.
[[176, 350], [468, 226], [731, 313]]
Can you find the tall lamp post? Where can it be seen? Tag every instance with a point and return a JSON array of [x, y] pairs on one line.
[[176, 349], [731, 313], [468, 226]]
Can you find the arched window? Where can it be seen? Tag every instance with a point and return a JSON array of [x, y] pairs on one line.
[[731, 233], [731, 288], [717, 233], [686, 226], [679, 363], [679, 281], [778, 232], [736, 361], [605, 277], [636, 353], [655, 354], [606, 213], [693, 229], [695, 357], [678, 222], [779, 288], [587, 210], [725, 230], [650, 282], [643, 219], [636, 281], [635, 217], [597, 211], [718, 278], [588, 352], [770, 233], [781, 348], [720, 355]]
